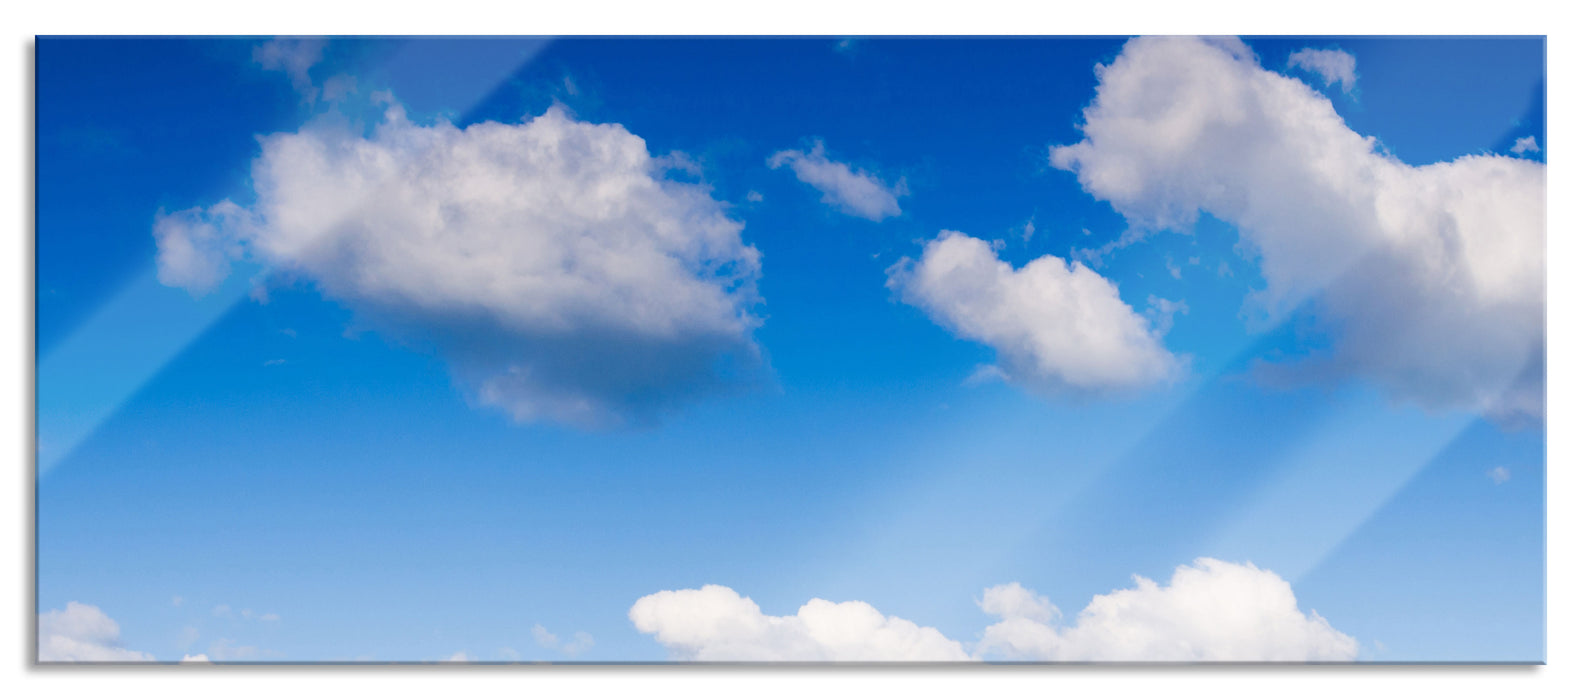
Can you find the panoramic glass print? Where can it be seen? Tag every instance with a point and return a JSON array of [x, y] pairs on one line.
[[790, 349]]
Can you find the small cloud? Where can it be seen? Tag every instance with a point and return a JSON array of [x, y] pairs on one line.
[[1028, 230], [175, 601], [274, 362], [222, 610], [460, 657], [846, 45], [1333, 65], [545, 638], [985, 374], [81, 633], [195, 659], [294, 57], [288, 332], [1499, 475], [268, 617], [1162, 313], [579, 642], [1057, 327], [755, 196], [1224, 269], [1172, 268], [570, 85], [853, 191], [1525, 144]]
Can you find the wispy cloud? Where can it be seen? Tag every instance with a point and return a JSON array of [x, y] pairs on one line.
[[294, 57], [580, 642], [853, 191], [1333, 65]]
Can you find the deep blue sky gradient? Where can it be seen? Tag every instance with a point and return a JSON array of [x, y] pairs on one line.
[[354, 491]]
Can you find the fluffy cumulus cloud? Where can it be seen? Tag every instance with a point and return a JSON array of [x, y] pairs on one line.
[[81, 633], [1057, 327], [1333, 65], [1429, 278], [561, 270], [854, 192], [714, 623], [1525, 144], [1210, 611]]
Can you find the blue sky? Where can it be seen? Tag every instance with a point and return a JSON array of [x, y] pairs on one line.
[[291, 444]]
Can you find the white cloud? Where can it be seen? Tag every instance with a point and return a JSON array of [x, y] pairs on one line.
[[1525, 144], [460, 657], [1162, 312], [579, 642], [195, 247], [855, 192], [1430, 278], [1333, 65], [1011, 600], [985, 374], [195, 659], [1056, 327], [80, 633], [1210, 611], [294, 57], [713, 623], [1499, 475], [554, 264]]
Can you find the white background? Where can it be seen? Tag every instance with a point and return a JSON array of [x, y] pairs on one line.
[[835, 17]]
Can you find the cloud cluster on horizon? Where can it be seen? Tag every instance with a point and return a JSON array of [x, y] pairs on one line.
[[1429, 278], [714, 623], [554, 263], [1209, 611]]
